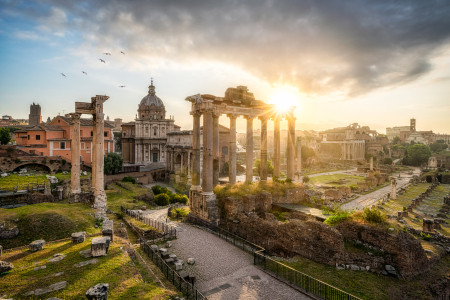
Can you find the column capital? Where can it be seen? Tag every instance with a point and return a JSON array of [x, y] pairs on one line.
[[216, 114], [264, 118], [75, 116], [233, 116], [249, 117], [196, 113]]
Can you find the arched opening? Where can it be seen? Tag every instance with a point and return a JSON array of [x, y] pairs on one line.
[[34, 167]]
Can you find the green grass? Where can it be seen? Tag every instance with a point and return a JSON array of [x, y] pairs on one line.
[[62, 176], [312, 172], [14, 180], [332, 180], [370, 286], [127, 278], [249, 188], [125, 197]]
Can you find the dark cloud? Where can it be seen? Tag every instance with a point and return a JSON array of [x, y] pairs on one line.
[[345, 48]]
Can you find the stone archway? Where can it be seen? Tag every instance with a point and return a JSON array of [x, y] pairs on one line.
[[34, 166]]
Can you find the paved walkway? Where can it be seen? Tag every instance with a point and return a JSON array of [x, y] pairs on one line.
[[223, 271], [371, 198]]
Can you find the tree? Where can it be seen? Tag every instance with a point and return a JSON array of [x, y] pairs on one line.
[[307, 152], [418, 154], [257, 165], [113, 162], [396, 140], [5, 136], [387, 161], [395, 147], [436, 147]]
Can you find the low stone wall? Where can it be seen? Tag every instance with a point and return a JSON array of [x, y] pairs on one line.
[[36, 198], [87, 198], [141, 177], [406, 252]]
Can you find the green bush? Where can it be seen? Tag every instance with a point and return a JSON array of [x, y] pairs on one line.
[[425, 236], [162, 199], [120, 215], [305, 179], [184, 199], [174, 198], [337, 217], [129, 179], [373, 215], [156, 189], [182, 212], [279, 215], [165, 190]]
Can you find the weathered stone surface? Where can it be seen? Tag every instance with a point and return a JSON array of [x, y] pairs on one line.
[[441, 288], [78, 237], [53, 287], [5, 266], [85, 263], [428, 225], [56, 258], [100, 246], [108, 229], [191, 261], [98, 292], [37, 245], [178, 266], [40, 268], [9, 233]]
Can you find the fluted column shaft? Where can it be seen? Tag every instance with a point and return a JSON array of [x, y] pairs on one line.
[[263, 167], [207, 175], [249, 150], [232, 155], [75, 148], [276, 148], [215, 149], [99, 154], [291, 147], [94, 157], [196, 151]]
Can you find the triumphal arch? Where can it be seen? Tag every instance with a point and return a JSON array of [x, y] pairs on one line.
[[237, 102]]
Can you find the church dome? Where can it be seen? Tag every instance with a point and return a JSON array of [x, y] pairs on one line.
[[151, 98]]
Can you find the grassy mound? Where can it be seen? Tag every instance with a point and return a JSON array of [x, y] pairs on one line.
[[253, 188]]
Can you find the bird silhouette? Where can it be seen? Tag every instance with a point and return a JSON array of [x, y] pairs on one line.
[[84, 72], [63, 74], [122, 52], [121, 86], [102, 61], [107, 54]]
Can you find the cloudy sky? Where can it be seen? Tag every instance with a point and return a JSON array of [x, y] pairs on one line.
[[378, 63]]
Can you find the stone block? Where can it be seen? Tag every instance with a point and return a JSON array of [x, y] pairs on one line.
[[57, 257], [143, 207], [428, 225], [100, 246], [162, 250], [354, 267], [98, 292], [173, 256], [37, 245], [154, 248], [168, 244], [184, 275], [5, 266], [108, 229], [178, 266], [78, 237], [389, 268], [169, 261], [191, 261], [165, 255]]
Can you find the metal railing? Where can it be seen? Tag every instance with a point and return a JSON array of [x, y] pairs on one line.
[[182, 285], [306, 282]]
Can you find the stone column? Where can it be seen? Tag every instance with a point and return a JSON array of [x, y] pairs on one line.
[[215, 148], [196, 152], [94, 158], [181, 166], [207, 174], [189, 177], [276, 147], [249, 150], [263, 168], [393, 188], [344, 152], [232, 150], [371, 166], [99, 152], [75, 148], [291, 146], [299, 155]]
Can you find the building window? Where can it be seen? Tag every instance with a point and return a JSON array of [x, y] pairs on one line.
[[62, 145], [81, 132], [92, 133], [154, 131], [105, 134], [224, 150], [124, 134], [82, 146], [38, 137], [28, 137]]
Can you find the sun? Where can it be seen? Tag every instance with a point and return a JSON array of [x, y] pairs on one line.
[[284, 99]]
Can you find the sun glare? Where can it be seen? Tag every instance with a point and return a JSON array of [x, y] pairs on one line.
[[284, 99]]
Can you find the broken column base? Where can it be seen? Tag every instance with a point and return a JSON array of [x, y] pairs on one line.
[[204, 205]]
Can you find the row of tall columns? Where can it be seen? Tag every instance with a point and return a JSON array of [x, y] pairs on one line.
[[353, 150]]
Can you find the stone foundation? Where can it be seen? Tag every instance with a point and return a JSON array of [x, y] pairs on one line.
[[204, 205], [81, 198]]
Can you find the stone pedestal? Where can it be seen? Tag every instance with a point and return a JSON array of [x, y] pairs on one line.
[[428, 225], [108, 229], [78, 237], [98, 292], [37, 245], [100, 246]]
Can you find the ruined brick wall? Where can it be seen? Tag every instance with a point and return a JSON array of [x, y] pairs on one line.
[[407, 253], [36, 198]]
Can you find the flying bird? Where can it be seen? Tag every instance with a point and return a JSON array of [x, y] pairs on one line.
[[121, 86], [84, 72], [107, 54], [102, 61], [122, 52], [63, 74]]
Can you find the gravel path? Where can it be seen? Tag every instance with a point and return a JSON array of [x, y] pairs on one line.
[[223, 271], [371, 198]]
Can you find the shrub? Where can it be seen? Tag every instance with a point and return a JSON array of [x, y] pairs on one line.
[[373, 215], [305, 179], [120, 215], [175, 198], [404, 208], [182, 212], [279, 215], [162, 199], [63, 162], [425, 236], [129, 179], [337, 217], [184, 199], [156, 189]]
